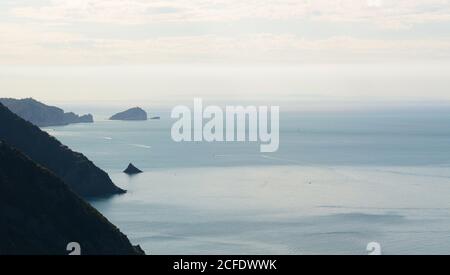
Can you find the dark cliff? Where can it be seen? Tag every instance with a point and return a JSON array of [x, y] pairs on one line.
[[73, 168], [39, 214]]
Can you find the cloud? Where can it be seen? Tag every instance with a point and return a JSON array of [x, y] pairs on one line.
[[28, 45], [48, 33], [385, 13]]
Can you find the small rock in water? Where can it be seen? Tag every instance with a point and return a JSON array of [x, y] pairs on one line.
[[132, 170]]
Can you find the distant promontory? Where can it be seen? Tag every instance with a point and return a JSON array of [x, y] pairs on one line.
[[130, 114], [43, 115]]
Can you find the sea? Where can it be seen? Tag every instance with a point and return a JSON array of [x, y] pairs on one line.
[[340, 180]]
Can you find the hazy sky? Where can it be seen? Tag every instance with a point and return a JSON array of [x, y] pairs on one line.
[[146, 31], [65, 33]]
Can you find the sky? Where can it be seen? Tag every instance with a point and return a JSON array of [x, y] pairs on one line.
[[222, 31], [40, 39]]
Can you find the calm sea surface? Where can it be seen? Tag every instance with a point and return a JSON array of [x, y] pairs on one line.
[[339, 181]]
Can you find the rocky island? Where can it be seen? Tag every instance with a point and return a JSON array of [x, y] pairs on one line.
[[83, 177], [130, 114], [40, 215], [43, 115], [132, 170]]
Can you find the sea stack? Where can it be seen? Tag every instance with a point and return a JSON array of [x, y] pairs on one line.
[[135, 113], [132, 170]]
